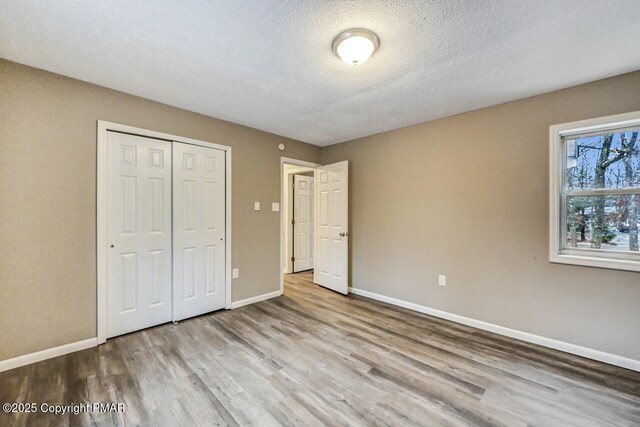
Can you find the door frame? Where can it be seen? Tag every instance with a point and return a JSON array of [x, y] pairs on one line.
[[288, 161], [102, 238]]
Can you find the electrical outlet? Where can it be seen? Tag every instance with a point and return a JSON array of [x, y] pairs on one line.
[[442, 280], [236, 273], [256, 206], [275, 207]]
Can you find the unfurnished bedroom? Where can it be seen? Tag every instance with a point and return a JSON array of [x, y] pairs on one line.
[[310, 213]]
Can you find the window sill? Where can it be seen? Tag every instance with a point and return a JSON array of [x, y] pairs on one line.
[[596, 262]]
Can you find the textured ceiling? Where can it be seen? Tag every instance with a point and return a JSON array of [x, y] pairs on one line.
[[268, 64]]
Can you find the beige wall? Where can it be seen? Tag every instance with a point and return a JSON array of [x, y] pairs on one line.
[[48, 200], [467, 196]]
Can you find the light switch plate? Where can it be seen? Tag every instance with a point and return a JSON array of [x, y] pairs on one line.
[[442, 280], [236, 273], [275, 207], [256, 206]]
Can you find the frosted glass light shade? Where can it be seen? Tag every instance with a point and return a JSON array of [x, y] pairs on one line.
[[354, 47]]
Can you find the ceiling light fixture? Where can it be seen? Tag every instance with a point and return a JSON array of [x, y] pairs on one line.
[[355, 46]]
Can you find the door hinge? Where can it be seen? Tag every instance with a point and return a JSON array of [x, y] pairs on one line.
[[293, 258], [293, 222]]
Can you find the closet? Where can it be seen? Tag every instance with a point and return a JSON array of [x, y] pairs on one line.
[[166, 209]]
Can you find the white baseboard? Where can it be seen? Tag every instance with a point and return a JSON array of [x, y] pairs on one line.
[[589, 353], [258, 298], [49, 353]]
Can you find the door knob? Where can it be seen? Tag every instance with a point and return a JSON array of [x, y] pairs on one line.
[[343, 234], [112, 246]]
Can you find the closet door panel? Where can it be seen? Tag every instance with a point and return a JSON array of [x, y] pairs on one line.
[[198, 230], [139, 230]]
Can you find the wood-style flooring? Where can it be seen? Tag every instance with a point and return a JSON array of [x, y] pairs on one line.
[[314, 357]]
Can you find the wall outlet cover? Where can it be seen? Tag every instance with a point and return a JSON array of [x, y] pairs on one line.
[[256, 206], [275, 207], [442, 280], [236, 273]]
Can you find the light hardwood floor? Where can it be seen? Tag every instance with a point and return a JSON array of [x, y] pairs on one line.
[[314, 357]]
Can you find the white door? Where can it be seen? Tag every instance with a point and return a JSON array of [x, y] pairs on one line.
[[303, 226], [332, 233], [198, 230], [139, 230]]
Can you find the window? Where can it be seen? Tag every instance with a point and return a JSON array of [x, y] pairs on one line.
[[595, 192]]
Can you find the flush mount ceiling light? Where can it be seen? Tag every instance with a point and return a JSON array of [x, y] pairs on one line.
[[355, 46]]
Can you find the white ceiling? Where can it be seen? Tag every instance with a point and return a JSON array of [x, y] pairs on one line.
[[268, 64]]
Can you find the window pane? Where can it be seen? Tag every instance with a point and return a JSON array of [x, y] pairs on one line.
[[603, 222], [603, 161]]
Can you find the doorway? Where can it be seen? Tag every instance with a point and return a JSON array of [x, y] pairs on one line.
[[298, 209], [302, 223], [297, 216], [319, 225]]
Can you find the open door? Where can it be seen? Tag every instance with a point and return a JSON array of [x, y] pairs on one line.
[[331, 224]]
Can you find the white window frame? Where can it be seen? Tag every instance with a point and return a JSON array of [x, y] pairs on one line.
[[557, 215]]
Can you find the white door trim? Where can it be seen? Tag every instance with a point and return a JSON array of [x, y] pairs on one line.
[[289, 161], [101, 211]]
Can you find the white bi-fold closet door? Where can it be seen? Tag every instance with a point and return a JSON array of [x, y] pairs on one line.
[[166, 227]]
